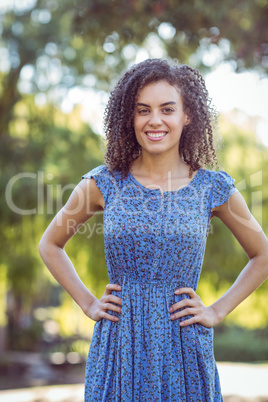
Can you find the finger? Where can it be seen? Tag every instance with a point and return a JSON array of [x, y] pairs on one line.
[[113, 307], [112, 298], [183, 313], [116, 300], [112, 286], [188, 291], [182, 304], [190, 321], [108, 316]]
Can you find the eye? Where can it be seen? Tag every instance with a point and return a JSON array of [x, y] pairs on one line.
[[167, 110], [143, 111]]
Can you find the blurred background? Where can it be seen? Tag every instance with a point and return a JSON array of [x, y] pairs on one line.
[[58, 62]]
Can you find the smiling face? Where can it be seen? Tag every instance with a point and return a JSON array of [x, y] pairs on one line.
[[159, 118]]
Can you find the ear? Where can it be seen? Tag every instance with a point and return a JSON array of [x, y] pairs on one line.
[[187, 120]]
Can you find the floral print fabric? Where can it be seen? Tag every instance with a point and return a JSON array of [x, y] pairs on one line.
[[154, 243]]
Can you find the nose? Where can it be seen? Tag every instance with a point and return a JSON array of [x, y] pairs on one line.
[[155, 119]]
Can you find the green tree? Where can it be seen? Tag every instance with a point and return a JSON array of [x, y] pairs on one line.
[[235, 31], [51, 47]]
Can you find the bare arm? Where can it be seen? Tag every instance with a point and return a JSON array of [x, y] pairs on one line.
[[84, 202], [237, 217]]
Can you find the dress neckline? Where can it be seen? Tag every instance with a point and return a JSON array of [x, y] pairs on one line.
[[167, 191]]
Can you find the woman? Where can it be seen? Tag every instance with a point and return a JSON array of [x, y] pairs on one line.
[[153, 337]]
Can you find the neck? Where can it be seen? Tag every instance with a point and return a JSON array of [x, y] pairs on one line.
[[160, 166]]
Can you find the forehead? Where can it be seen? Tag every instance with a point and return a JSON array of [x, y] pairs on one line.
[[160, 91]]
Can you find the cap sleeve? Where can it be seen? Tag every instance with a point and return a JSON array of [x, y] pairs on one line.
[[223, 188], [101, 175]]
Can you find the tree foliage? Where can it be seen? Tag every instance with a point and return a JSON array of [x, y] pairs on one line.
[[53, 46], [188, 27]]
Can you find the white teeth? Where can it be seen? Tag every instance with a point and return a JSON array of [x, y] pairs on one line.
[[156, 135]]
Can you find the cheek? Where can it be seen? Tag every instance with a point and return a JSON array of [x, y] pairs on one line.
[[138, 124], [137, 132], [138, 136]]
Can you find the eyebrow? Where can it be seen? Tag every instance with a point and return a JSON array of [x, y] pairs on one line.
[[162, 104]]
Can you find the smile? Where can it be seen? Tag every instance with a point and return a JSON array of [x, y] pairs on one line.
[[155, 136]]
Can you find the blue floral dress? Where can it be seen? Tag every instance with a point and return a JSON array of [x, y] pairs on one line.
[[154, 243]]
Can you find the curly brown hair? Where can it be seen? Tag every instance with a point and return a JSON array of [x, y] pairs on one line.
[[196, 143]]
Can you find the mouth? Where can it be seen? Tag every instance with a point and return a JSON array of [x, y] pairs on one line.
[[155, 135]]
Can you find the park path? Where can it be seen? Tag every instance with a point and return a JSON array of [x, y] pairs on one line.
[[240, 383]]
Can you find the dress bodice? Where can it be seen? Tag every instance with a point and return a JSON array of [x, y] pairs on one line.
[[156, 236]]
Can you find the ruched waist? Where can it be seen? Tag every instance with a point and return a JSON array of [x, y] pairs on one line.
[[145, 283]]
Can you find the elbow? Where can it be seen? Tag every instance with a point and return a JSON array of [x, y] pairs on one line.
[[262, 263], [42, 247], [47, 247]]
